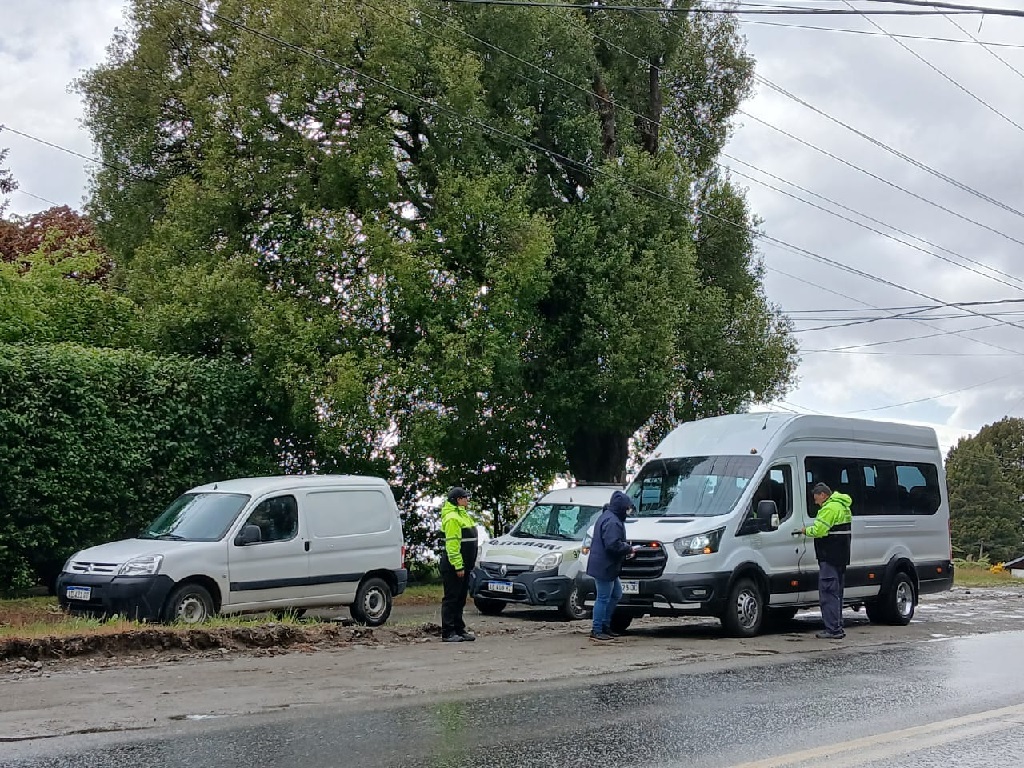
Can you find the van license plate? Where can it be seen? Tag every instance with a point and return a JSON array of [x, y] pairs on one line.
[[500, 586], [78, 593], [631, 587]]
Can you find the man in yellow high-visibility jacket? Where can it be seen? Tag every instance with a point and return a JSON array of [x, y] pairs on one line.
[[457, 560], [832, 533]]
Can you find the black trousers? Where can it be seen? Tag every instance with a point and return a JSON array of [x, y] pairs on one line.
[[453, 603]]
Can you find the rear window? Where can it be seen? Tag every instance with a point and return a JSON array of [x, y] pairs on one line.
[[346, 513]]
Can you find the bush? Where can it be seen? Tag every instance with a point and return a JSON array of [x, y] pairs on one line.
[[95, 442]]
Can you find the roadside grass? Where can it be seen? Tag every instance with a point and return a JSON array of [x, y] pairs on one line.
[[36, 617], [970, 574]]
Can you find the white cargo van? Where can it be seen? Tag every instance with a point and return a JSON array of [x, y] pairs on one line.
[[253, 544], [536, 562], [719, 500]]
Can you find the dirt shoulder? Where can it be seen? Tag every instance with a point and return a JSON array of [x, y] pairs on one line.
[[353, 667]]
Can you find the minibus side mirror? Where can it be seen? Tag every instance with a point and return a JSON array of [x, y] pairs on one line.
[[250, 534], [767, 515]]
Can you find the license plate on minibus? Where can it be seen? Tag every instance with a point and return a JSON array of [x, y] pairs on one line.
[[631, 587], [500, 586], [79, 593]]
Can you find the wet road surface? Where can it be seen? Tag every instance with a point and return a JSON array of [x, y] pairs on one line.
[[950, 701]]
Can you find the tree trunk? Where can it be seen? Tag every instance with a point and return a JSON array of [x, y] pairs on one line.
[[649, 125], [598, 457], [606, 110]]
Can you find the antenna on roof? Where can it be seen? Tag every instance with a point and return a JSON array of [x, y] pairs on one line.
[[766, 417]]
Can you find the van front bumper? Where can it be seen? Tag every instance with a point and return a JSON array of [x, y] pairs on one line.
[[530, 588], [140, 598], [690, 594]]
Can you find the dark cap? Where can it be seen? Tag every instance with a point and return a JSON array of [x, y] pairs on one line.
[[457, 493], [822, 489]]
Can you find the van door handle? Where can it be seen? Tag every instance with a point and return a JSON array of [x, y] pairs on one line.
[[307, 546]]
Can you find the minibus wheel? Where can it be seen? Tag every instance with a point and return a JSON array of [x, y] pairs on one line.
[[896, 605], [373, 602], [744, 611]]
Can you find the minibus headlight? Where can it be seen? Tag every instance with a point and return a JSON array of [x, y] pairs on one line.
[[142, 566], [548, 561], [700, 544]]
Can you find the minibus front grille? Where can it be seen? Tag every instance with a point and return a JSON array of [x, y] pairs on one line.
[[648, 563], [494, 570]]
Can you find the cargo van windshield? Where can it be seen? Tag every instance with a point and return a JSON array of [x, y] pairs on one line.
[[565, 522], [694, 486], [197, 517]]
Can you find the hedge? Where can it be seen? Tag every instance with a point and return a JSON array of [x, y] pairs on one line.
[[94, 443]]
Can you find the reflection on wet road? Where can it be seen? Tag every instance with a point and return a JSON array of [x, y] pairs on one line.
[[933, 699]]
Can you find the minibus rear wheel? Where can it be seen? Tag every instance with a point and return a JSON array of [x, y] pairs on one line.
[[373, 602], [896, 605]]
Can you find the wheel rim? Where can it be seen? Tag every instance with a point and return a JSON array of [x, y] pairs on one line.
[[191, 610], [575, 607], [374, 604], [904, 599], [748, 609]]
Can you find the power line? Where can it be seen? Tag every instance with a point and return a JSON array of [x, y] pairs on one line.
[[936, 397], [882, 179], [988, 302], [907, 354], [720, 11], [957, 332], [869, 33], [66, 150], [934, 68], [986, 46], [891, 150], [38, 197]]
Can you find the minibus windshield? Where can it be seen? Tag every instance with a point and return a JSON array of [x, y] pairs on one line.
[[692, 486]]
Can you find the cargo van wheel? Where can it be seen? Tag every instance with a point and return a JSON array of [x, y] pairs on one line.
[[573, 608], [744, 611], [373, 602], [189, 604], [896, 605], [489, 607]]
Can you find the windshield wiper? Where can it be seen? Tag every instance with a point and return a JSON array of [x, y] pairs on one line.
[[559, 536], [170, 537]]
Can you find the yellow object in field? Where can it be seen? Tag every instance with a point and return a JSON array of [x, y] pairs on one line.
[[997, 568]]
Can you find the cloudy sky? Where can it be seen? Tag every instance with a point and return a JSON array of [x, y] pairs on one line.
[[954, 108]]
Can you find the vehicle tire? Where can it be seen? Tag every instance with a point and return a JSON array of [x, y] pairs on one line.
[[620, 621], [189, 604], [373, 602], [573, 608], [489, 607], [781, 617], [744, 611], [896, 605]]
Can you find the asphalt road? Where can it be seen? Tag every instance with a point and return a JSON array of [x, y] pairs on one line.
[[941, 702]]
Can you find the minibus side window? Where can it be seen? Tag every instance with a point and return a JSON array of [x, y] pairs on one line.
[[776, 486]]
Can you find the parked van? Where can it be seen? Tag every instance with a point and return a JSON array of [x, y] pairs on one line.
[[253, 544], [536, 562], [719, 500]]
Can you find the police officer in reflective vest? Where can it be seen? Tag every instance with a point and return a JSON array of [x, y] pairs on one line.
[[457, 560], [832, 533]]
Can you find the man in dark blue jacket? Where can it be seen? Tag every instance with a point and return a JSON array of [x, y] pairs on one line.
[[608, 549]]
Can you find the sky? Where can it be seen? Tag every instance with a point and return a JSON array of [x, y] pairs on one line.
[[954, 108]]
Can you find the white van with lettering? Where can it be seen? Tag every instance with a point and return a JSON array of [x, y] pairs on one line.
[[536, 562], [719, 500], [254, 544]]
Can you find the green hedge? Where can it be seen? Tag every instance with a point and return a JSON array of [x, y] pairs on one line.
[[95, 442]]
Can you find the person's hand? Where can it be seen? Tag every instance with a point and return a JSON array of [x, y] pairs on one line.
[[798, 532], [460, 574]]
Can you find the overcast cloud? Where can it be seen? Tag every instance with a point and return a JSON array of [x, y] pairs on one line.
[[869, 82]]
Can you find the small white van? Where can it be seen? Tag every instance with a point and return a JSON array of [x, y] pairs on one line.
[[536, 562], [719, 500], [253, 544]]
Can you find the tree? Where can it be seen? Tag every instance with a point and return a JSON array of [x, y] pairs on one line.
[[983, 505], [54, 234], [474, 242], [1006, 437], [8, 184]]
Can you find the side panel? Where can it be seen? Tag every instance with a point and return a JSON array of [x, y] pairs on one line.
[[351, 531]]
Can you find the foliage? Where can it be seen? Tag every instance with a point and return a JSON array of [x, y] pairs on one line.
[[1006, 437], [474, 244], [55, 235], [8, 184], [96, 442], [983, 505]]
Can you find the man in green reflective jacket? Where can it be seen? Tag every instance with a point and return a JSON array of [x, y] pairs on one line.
[[457, 560], [832, 533]]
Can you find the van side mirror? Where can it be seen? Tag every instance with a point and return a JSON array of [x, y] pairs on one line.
[[250, 534], [767, 515]]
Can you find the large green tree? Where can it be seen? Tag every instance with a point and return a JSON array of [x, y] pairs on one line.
[[477, 242], [1006, 437], [983, 505]]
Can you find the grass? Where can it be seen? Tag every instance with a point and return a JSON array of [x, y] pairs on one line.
[[35, 617], [969, 574]]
